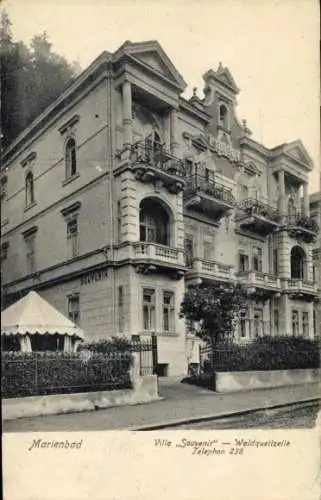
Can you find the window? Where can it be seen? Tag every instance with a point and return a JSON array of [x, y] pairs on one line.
[[120, 308], [276, 322], [4, 251], [275, 263], [70, 158], [73, 309], [148, 309], [223, 116], [29, 189], [30, 254], [297, 263], [208, 246], [153, 222], [257, 259], [168, 312], [243, 262], [258, 322], [189, 250], [305, 324], [243, 192], [3, 189], [189, 168], [291, 208], [295, 323], [72, 238]]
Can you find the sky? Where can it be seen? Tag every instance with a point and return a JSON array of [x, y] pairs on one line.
[[271, 48]]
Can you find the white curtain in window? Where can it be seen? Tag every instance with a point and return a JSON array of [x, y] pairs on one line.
[[25, 343]]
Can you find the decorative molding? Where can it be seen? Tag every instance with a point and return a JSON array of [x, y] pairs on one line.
[[71, 209], [30, 232], [68, 124], [31, 156]]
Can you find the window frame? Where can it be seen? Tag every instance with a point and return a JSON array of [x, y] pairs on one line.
[[29, 189], [72, 237], [150, 308], [73, 315], [70, 158], [169, 310]]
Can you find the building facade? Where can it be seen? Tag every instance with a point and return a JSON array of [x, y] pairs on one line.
[[123, 193], [315, 210]]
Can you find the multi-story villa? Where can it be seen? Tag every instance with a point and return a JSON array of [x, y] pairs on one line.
[[123, 193]]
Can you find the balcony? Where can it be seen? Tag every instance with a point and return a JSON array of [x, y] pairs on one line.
[[153, 258], [207, 196], [264, 285], [156, 165], [257, 217], [209, 271], [300, 289], [302, 227]]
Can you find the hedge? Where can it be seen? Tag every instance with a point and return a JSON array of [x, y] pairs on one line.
[[263, 353], [40, 373], [267, 353]]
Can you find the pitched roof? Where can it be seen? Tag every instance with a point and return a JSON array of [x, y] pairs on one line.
[[32, 314]]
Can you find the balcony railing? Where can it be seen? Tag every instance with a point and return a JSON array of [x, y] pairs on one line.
[[255, 207], [196, 184], [302, 225], [157, 252], [259, 279], [210, 269], [156, 157], [300, 286]]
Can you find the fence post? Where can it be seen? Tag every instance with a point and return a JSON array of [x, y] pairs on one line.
[[135, 370]]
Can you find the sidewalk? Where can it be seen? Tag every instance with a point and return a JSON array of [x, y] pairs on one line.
[[181, 403]]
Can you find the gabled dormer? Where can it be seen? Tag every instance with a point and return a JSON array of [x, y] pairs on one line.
[[220, 101]]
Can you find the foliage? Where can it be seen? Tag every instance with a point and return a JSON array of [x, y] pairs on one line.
[[39, 373], [262, 354], [215, 308], [27, 72], [105, 346]]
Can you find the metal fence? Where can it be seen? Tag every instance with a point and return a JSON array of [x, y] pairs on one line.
[[147, 355]]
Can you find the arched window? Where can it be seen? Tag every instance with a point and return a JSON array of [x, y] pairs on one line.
[[154, 223], [223, 116], [298, 258], [70, 158], [29, 188]]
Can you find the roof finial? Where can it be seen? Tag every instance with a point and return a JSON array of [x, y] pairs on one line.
[[220, 67], [194, 91], [244, 123]]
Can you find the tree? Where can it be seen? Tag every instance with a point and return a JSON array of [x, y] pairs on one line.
[[26, 73], [215, 308]]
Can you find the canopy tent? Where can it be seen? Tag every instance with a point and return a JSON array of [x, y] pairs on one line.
[[32, 315]]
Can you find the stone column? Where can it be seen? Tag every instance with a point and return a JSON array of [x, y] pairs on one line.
[[127, 114], [306, 208], [282, 193], [174, 132]]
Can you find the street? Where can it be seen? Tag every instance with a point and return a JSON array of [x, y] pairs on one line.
[[294, 417]]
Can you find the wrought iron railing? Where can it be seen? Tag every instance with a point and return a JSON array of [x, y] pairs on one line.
[[196, 184], [157, 157], [259, 208], [302, 221]]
